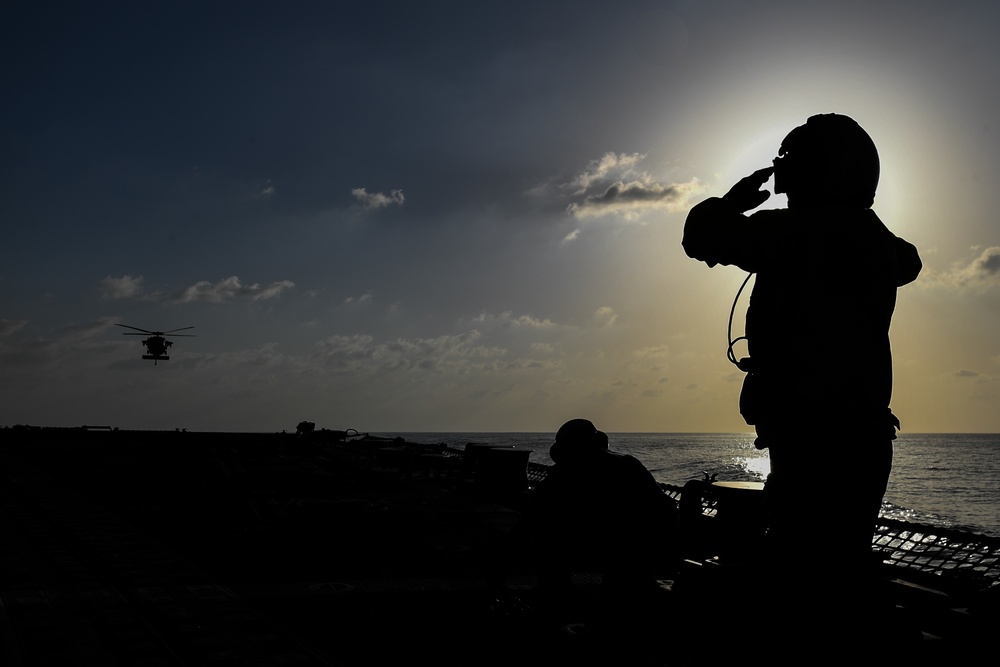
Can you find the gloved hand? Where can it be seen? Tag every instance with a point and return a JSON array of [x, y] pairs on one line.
[[747, 193]]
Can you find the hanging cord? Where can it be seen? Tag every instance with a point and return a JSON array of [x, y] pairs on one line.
[[742, 364]]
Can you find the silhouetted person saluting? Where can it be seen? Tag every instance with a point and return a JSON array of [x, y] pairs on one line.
[[820, 369]]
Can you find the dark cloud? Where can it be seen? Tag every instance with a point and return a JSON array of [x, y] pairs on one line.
[[614, 184], [988, 262], [632, 196], [980, 270]]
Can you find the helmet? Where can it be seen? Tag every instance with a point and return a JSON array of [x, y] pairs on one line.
[[576, 438], [830, 159]]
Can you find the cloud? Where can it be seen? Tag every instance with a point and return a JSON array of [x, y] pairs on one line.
[[605, 316], [490, 347], [980, 270], [985, 267], [599, 171], [227, 289], [449, 353], [964, 373], [370, 200], [634, 197], [652, 352], [614, 185], [8, 327], [75, 331], [530, 322], [364, 298], [68, 342], [129, 287], [507, 319], [265, 190], [125, 287]]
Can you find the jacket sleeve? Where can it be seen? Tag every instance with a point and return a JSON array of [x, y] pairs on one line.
[[716, 234], [908, 262]]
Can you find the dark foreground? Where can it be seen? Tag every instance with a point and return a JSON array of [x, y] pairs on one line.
[[163, 548]]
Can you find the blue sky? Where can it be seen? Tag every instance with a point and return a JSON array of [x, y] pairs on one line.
[[461, 216]]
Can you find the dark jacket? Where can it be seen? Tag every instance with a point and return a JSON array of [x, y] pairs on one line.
[[818, 323], [601, 509]]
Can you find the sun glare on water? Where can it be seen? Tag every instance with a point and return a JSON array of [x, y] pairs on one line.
[[756, 463]]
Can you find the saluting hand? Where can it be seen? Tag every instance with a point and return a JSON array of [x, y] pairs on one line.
[[747, 193]]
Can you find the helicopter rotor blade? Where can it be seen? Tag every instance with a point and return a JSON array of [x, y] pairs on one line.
[[136, 328], [181, 329]]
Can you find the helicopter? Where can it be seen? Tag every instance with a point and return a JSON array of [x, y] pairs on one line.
[[156, 345]]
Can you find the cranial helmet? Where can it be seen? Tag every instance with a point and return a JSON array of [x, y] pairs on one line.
[[829, 160], [575, 438]]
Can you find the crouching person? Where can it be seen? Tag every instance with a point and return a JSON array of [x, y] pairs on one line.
[[597, 511]]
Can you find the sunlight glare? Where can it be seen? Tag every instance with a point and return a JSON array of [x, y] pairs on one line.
[[756, 464]]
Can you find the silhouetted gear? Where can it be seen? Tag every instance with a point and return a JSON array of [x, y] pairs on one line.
[[829, 159], [575, 438], [601, 511], [819, 386]]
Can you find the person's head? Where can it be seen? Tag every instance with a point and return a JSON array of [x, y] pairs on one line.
[[575, 438], [829, 161]]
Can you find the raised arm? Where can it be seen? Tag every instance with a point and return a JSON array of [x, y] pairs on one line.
[[715, 231]]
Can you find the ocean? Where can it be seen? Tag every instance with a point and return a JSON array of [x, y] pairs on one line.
[[938, 479]]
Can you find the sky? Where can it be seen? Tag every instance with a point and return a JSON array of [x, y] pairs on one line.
[[444, 216]]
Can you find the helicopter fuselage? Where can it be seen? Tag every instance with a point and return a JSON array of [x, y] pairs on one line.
[[157, 348], [157, 344]]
